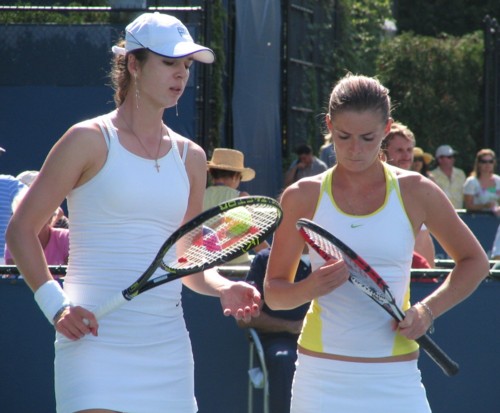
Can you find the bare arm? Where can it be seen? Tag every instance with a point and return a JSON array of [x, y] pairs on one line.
[[430, 205], [469, 204], [269, 324], [75, 158], [298, 201]]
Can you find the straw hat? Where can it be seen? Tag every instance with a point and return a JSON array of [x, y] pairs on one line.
[[230, 160], [419, 152]]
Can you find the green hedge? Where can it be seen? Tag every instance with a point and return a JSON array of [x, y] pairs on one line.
[[436, 86]]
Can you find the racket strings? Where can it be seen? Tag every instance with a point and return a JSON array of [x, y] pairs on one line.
[[222, 236], [321, 245]]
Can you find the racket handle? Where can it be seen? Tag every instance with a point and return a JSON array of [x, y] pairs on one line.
[[449, 367], [112, 304]]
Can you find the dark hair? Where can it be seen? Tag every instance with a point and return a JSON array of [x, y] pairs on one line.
[[222, 173], [359, 93], [120, 76], [303, 149], [425, 168]]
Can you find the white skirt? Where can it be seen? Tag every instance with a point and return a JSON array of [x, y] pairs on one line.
[[326, 386], [139, 363]]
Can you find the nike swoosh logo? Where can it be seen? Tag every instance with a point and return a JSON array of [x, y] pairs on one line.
[[356, 225]]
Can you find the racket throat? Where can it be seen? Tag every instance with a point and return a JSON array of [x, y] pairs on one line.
[[128, 295]]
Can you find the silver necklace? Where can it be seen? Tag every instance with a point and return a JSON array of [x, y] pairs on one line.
[[157, 165]]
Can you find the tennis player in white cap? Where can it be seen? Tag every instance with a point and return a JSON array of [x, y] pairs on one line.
[[130, 181]]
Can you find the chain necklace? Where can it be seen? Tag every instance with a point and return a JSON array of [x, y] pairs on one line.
[[157, 165]]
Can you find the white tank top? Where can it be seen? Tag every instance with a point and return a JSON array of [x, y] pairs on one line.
[[118, 221], [346, 321]]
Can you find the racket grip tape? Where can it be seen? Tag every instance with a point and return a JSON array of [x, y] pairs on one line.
[[449, 367], [112, 304]]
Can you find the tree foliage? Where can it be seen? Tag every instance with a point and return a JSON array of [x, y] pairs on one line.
[[360, 30], [434, 17], [435, 84]]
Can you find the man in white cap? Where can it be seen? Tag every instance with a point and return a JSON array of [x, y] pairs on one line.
[[450, 179]]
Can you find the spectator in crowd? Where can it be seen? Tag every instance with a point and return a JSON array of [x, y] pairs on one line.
[[449, 178], [350, 354], [327, 152], [398, 145], [421, 162], [482, 187], [9, 188], [278, 332], [227, 169], [54, 241], [397, 148], [305, 165]]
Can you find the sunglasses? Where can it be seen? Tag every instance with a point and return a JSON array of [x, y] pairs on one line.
[[448, 157], [418, 159], [486, 161]]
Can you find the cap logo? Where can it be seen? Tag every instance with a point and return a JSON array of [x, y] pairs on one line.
[[183, 33]]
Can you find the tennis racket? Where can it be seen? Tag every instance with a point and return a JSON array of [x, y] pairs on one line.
[[369, 282], [212, 238]]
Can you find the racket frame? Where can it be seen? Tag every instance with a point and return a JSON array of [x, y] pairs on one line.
[[145, 283]]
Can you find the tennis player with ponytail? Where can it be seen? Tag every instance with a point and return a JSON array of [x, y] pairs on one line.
[[353, 356], [130, 182]]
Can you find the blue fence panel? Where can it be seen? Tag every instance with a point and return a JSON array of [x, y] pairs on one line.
[[468, 332]]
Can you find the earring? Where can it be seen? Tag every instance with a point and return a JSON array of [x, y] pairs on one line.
[[176, 110], [137, 97]]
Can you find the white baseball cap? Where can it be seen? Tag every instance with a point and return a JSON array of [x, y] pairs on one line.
[[27, 177], [445, 150], [164, 35]]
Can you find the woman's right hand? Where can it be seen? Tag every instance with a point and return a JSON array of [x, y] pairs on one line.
[[76, 322], [327, 278]]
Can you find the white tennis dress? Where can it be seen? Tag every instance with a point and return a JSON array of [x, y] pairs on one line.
[[141, 362]]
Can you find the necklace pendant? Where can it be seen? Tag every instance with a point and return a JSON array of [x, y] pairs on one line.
[[157, 166]]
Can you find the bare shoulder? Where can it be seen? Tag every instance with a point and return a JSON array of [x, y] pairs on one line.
[[195, 154], [424, 200], [301, 197], [415, 183], [85, 135], [76, 157]]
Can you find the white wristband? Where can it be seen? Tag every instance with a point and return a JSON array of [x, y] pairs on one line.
[[50, 297]]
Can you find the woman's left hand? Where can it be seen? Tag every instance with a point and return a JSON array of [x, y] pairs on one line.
[[240, 300], [416, 322]]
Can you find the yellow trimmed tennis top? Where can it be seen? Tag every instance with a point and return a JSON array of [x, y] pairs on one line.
[[346, 321]]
